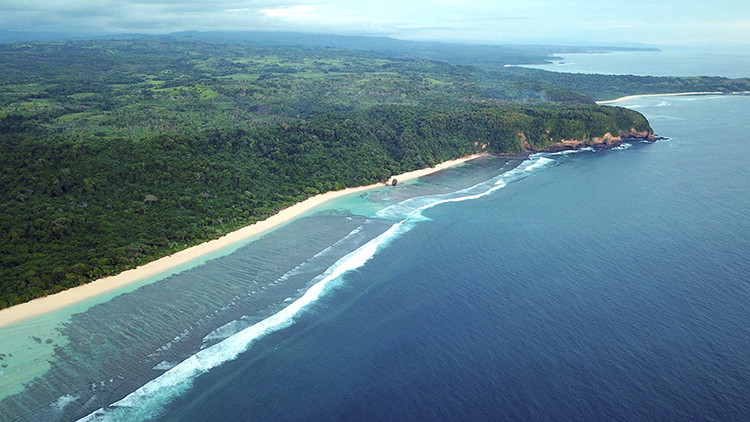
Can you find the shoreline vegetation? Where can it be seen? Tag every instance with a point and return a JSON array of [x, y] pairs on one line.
[[50, 303], [603, 87], [116, 153], [79, 211]]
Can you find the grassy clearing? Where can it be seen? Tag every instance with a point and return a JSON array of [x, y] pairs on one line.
[[83, 95], [68, 118], [206, 93]]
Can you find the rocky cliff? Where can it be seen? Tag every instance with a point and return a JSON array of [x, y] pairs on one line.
[[605, 142]]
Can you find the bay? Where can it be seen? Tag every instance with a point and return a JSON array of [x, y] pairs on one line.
[[669, 61]]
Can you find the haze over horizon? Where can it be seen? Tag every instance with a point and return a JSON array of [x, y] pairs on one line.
[[569, 22]]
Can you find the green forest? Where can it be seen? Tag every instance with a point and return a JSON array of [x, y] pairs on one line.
[[117, 152], [610, 87]]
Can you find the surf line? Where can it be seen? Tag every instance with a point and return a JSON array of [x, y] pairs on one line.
[[150, 400]]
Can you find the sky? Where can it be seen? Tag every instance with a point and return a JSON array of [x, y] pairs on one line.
[[569, 22]]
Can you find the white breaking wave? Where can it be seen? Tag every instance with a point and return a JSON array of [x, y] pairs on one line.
[[225, 331], [233, 327], [411, 207], [573, 151], [534, 163], [541, 162], [299, 268], [150, 400]]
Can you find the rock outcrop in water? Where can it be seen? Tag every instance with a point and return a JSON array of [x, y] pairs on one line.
[[605, 142]]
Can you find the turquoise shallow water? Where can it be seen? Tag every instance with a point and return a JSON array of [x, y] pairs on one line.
[[87, 356], [608, 285]]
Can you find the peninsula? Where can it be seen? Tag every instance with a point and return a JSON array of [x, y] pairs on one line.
[[118, 153]]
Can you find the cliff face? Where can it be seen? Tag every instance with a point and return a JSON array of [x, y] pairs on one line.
[[605, 142]]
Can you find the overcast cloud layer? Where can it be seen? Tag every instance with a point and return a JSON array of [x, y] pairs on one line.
[[662, 22]]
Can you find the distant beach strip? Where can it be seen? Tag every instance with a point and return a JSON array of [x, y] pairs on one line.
[[68, 297], [675, 94]]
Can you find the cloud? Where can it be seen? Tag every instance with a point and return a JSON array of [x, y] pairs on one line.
[[507, 21], [291, 12]]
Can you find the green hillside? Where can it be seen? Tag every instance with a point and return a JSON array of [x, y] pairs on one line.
[[115, 153]]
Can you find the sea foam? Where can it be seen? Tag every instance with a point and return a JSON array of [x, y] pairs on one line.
[[539, 163], [150, 400]]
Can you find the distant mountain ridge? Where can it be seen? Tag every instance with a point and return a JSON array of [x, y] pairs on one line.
[[481, 55]]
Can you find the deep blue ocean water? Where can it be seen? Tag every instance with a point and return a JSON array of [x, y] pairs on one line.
[[611, 285], [596, 285]]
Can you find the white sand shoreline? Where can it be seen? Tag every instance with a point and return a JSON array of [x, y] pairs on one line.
[[675, 94], [68, 297]]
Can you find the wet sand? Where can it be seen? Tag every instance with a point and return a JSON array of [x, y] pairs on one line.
[[60, 300]]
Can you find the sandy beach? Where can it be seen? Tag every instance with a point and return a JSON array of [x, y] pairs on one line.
[[677, 94], [68, 297]]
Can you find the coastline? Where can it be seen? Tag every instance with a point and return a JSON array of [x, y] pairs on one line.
[[675, 94], [72, 296]]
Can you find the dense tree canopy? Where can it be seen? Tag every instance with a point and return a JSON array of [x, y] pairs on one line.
[[115, 153], [610, 87]]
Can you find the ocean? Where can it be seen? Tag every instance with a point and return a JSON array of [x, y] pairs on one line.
[[592, 285], [730, 62]]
